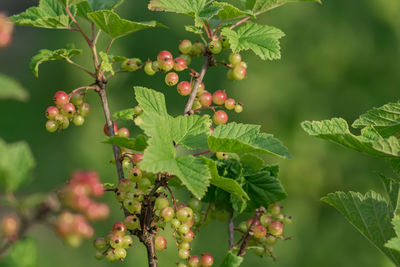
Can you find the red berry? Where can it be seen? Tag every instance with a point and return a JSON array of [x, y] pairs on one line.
[[68, 110], [194, 261], [119, 228], [106, 129], [51, 112], [167, 65], [185, 46], [276, 228], [239, 73], [205, 99], [123, 132], [250, 221], [184, 88], [164, 55], [136, 158], [171, 78], [61, 98], [220, 117], [259, 231], [160, 243], [230, 104], [180, 64], [219, 97], [206, 260]]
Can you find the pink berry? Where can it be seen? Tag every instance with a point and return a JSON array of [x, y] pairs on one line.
[[137, 158], [220, 117], [230, 104], [123, 132], [119, 228], [250, 222], [180, 64], [160, 243], [164, 55], [171, 78], [205, 99], [194, 261], [239, 73], [259, 231], [167, 65], [68, 110], [184, 88], [206, 260], [51, 112], [276, 228], [219, 97], [61, 98]]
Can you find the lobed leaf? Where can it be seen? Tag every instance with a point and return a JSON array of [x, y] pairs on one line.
[[12, 89], [188, 7], [263, 40], [48, 55], [229, 12], [370, 214], [106, 65], [191, 131]]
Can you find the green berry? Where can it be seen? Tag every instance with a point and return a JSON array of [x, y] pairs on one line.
[[148, 68], [171, 79], [167, 214], [132, 222], [129, 65], [161, 202], [84, 110], [127, 241], [116, 241], [184, 254], [239, 73], [197, 49], [187, 58], [77, 98], [78, 120], [215, 47], [120, 253], [51, 126], [156, 66], [195, 204], [185, 47], [100, 243], [134, 174], [235, 58], [238, 108], [184, 229], [99, 255], [225, 42], [144, 184]]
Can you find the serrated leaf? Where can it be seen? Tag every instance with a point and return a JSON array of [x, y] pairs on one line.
[[263, 40], [109, 22], [16, 163], [260, 6], [337, 130], [104, 4], [160, 155], [394, 243], [124, 115], [188, 7], [392, 189], [193, 29], [227, 184], [191, 131], [230, 12], [206, 14], [370, 214], [12, 89], [48, 55], [138, 144], [245, 138], [49, 14], [252, 161], [23, 254], [385, 119], [231, 260], [264, 187], [106, 65]]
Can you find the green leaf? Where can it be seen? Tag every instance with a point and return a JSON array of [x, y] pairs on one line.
[[370, 214], [245, 138], [16, 163], [394, 243], [48, 55], [188, 7], [385, 119], [193, 29], [228, 184], [115, 27], [49, 14], [231, 260], [106, 65], [12, 89], [160, 155], [261, 6], [392, 189], [264, 187], [252, 161], [23, 254], [263, 40], [89, 6], [191, 131], [124, 115], [229, 12], [139, 143], [71, 2], [337, 130]]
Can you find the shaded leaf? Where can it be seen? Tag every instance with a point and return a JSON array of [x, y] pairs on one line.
[[231, 260], [23, 254], [12, 89], [394, 243], [124, 115], [228, 11], [191, 131], [260, 6]]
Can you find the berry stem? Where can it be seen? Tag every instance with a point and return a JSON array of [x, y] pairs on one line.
[[199, 80], [206, 29], [172, 196], [239, 22], [231, 230], [109, 45], [83, 88], [80, 67], [242, 249], [201, 153], [77, 24]]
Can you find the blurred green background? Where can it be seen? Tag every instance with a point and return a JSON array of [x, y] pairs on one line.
[[338, 59]]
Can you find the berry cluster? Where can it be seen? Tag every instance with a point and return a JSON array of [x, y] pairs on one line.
[[123, 132], [68, 107], [266, 230], [113, 246], [131, 65], [6, 29], [73, 228]]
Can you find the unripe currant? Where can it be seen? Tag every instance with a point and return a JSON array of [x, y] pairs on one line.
[[137, 157], [184, 253], [129, 65], [161, 202], [265, 220], [196, 104], [127, 241], [270, 240], [243, 227], [78, 120], [123, 132], [215, 47], [148, 68], [200, 89], [116, 241], [99, 255], [68, 110], [65, 123], [184, 245], [144, 184], [171, 79], [156, 66], [119, 228], [259, 231], [61, 98], [205, 99], [225, 42], [132, 222], [133, 206], [243, 64], [110, 255], [167, 65], [219, 97], [135, 174], [276, 228], [184, 214], [187, 58], [274, 209], [287, 220], [160, 243], [206, 260], [100, 243], [197, 49], [235, 58], [120, 253], [238, 108], [77, 98], [51, 112], [195, 204], [188, 237], [175, 223], [185, 47], [164, 55], [230, 104], [126, 163], [220, 117], [125, 185], [167, 214], [9, 226], [221, 155], [106, 129], [184, 88], [120, 195], [84, 110], [179, 64], [194, 261], [51, 126], [229, 75], [252, 221], [239, 72], [183, 229]]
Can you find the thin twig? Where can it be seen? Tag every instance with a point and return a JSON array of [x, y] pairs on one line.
[[231, 230], [201, 153], [242, 249], [109, 45], [172, 196], [80, 67], [239, 22], [83, 88], [77, 25]]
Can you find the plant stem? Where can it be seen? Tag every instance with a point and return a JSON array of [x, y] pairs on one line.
[[199, 80], [242, 249], [239, 22], [80, 67], [231, 230], [201, 153]]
